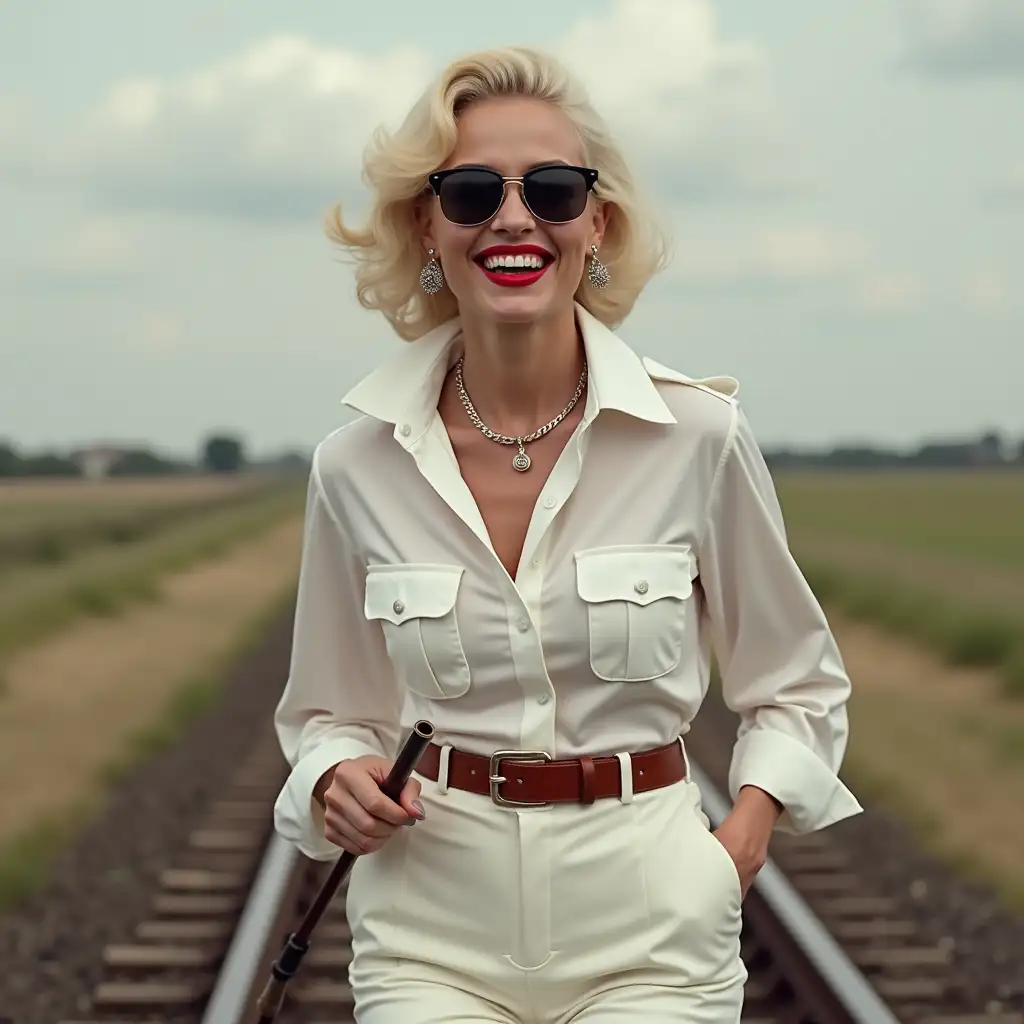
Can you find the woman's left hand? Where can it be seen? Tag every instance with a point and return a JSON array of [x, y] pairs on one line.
[[746, 832]]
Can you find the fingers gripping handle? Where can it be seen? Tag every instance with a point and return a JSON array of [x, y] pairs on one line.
[[297, 944]]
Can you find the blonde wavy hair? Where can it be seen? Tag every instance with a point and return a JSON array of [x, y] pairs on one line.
[[388, 249]]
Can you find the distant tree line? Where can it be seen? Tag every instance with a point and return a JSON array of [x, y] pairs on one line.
[[225, 453], [990, 450], [218, 453]]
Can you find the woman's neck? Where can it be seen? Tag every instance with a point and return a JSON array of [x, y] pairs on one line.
[[519, 376]]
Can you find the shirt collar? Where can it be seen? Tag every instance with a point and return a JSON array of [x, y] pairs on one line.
[[405, 388]]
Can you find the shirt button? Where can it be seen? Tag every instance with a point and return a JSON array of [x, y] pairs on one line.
[[398, 607], [549, 502], [543, 698], [405, 430], [522, 625], [535, 564], [640, 586]]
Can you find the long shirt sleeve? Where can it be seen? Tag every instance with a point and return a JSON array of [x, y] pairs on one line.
[[341, 699], [781, 670]]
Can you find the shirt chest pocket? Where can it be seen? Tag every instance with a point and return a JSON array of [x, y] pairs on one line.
[[415, 604], [636, 600]]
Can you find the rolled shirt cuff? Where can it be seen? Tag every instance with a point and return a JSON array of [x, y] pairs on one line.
[[298, 817], [811, 794]]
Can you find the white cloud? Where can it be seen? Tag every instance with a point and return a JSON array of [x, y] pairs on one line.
[[699, 111], [891, 293], [779, 254], [16, 133], [11, 113], [798, 255], [159, 332], [99, 247], [986, 292], [277, 130], [1008, 188], [965, 37], [271, 132]]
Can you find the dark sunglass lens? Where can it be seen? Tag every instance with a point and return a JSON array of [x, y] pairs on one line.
[[556, 194], [470, 196]]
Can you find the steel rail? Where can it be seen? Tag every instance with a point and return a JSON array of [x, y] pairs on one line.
[[841, 979], [231, 1000]]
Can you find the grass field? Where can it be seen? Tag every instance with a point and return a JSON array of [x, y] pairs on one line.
[[922, 575], [54, 491], [936, 557], [109, 649], [125, 537], [52, 520], [975, 517]]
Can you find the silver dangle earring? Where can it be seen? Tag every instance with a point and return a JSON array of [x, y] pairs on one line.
[[432, 276], [597, 272]]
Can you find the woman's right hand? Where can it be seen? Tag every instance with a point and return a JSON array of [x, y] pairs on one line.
[[358, 817]]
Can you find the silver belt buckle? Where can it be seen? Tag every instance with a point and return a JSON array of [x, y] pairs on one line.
[[496, 780]]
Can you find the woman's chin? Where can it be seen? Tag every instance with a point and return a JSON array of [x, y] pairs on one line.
[[515, 305]]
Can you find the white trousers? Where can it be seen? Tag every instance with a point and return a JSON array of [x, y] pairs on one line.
[[618, 911]]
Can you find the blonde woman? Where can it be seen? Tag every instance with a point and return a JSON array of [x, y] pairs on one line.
[[535, 539]]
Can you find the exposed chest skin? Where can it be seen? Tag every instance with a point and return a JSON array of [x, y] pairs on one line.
[[505, 497]]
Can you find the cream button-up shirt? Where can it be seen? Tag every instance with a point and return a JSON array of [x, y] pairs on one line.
[[657, 540]]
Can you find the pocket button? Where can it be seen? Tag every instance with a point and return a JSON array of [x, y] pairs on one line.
[[641, 586], [398, 607]]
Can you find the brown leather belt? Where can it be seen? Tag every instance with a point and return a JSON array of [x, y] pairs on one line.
[[530, 778]]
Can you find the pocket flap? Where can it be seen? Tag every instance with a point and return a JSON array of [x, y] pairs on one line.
[[411, 591], [636, 574]]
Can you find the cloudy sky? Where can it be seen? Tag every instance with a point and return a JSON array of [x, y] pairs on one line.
[[844, 184]]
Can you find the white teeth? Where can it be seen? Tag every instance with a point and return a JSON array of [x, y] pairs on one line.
[[531, 261]]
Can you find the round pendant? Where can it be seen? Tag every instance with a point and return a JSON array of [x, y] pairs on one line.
[[521, 462]]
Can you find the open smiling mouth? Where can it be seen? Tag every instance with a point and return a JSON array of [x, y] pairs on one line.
[[514, 268]]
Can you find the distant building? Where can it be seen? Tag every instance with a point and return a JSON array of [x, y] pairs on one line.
[[95, 461]]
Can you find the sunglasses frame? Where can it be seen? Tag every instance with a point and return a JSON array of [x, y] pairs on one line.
[[435, 180]]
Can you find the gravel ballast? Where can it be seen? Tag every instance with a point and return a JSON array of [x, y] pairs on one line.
[[987, 938], [102, 885]]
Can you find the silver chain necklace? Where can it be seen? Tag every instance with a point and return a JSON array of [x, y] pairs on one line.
[[520, 461]]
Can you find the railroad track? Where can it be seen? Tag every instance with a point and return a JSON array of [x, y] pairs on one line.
[[818, 949]]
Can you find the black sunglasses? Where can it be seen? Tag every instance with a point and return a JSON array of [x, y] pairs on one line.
[[554, 193]]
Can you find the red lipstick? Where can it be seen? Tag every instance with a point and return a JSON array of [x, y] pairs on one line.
[[509, 278]]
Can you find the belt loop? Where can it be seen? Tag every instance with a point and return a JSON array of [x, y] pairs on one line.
[[589, 773], [686, 760], [625, 778], [442, 769]]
